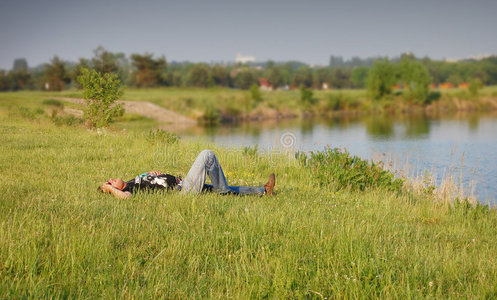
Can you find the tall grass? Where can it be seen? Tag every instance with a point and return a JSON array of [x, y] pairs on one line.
[[59, 238]]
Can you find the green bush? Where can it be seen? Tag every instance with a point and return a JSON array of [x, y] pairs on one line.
[[348, 172], [306, 96], [27, 113], [160, 136], [66, 120], [475, 86], [433, 96], [255, 93], [100, 93], [251, 150], [334, 102], [211, 115], [381, 77], [53, 102]]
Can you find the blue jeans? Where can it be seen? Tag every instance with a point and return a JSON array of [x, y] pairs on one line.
[[205, 164]]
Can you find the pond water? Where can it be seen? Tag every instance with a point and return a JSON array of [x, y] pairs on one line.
[[463, 146]]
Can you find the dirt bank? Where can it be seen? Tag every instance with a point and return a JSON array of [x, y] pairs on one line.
[[150, 110]]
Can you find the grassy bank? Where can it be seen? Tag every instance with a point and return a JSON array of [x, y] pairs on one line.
[[60, 238], [226, 105]]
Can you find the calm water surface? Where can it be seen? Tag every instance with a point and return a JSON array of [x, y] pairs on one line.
[[439, 145]]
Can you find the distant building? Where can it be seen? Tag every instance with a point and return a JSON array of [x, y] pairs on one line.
[[432, 86], [242, 59], [234, 73], [325, 86], [446, 85], [265, 86], [463, 85], [398, 86]]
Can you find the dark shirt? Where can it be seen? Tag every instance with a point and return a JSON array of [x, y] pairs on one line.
[[150, 181]]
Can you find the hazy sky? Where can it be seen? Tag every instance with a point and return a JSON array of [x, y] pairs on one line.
[[206, 30]]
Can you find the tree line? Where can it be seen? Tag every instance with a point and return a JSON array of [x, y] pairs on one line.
[[145, 71]]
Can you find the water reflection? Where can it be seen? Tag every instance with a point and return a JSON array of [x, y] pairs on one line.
[[307, 126], [417, 126], [380, 127], [473, 122]]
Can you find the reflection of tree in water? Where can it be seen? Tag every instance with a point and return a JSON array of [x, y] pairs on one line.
[[342, 121], [307, 125], [474, 122], [251, 129], [380, 126], [211, 130], [417, 126]]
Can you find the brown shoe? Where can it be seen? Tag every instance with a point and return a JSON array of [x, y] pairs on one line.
[[269, 186]]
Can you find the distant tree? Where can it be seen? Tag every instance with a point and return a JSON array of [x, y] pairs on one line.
[[255, 93], [303, 76], [20, 64], [381, 77], [56, 75], [200, 76], [104, 61], [100, 92], [322, 75], [148, 72], [174, 78], [83, 63], [20, 80], [340, 78], [475, 86], [245, 79], [107, 62], [489, 66], [220, 76], [306, 96], [455, 79], [275, 76], [5, 81], [359, 76], [415, 77]]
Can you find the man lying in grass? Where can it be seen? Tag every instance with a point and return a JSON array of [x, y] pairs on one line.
[[206, 163]]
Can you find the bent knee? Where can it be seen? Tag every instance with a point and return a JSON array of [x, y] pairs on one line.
[[206, 153]]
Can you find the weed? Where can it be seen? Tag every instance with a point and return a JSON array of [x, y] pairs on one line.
[[160, 136], [347, 171], [53, 102], [251, 150]]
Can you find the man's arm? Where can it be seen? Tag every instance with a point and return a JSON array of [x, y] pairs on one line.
[[156, 173], [107, 188]]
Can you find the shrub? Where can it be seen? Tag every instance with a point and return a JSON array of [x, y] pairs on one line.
[[251, 150], [433, 96], [65, 120], [306, 96], [348, 172], [255, 93], [27, 113], [381, 77], [100, 93], [211, 115], [475, 86], [334, 102], [160, 136], [53, 102], [415, 77]]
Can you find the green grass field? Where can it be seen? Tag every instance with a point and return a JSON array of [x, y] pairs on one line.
[[60, 238]]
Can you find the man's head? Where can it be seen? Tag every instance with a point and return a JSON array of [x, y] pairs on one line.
[[118, 183]]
